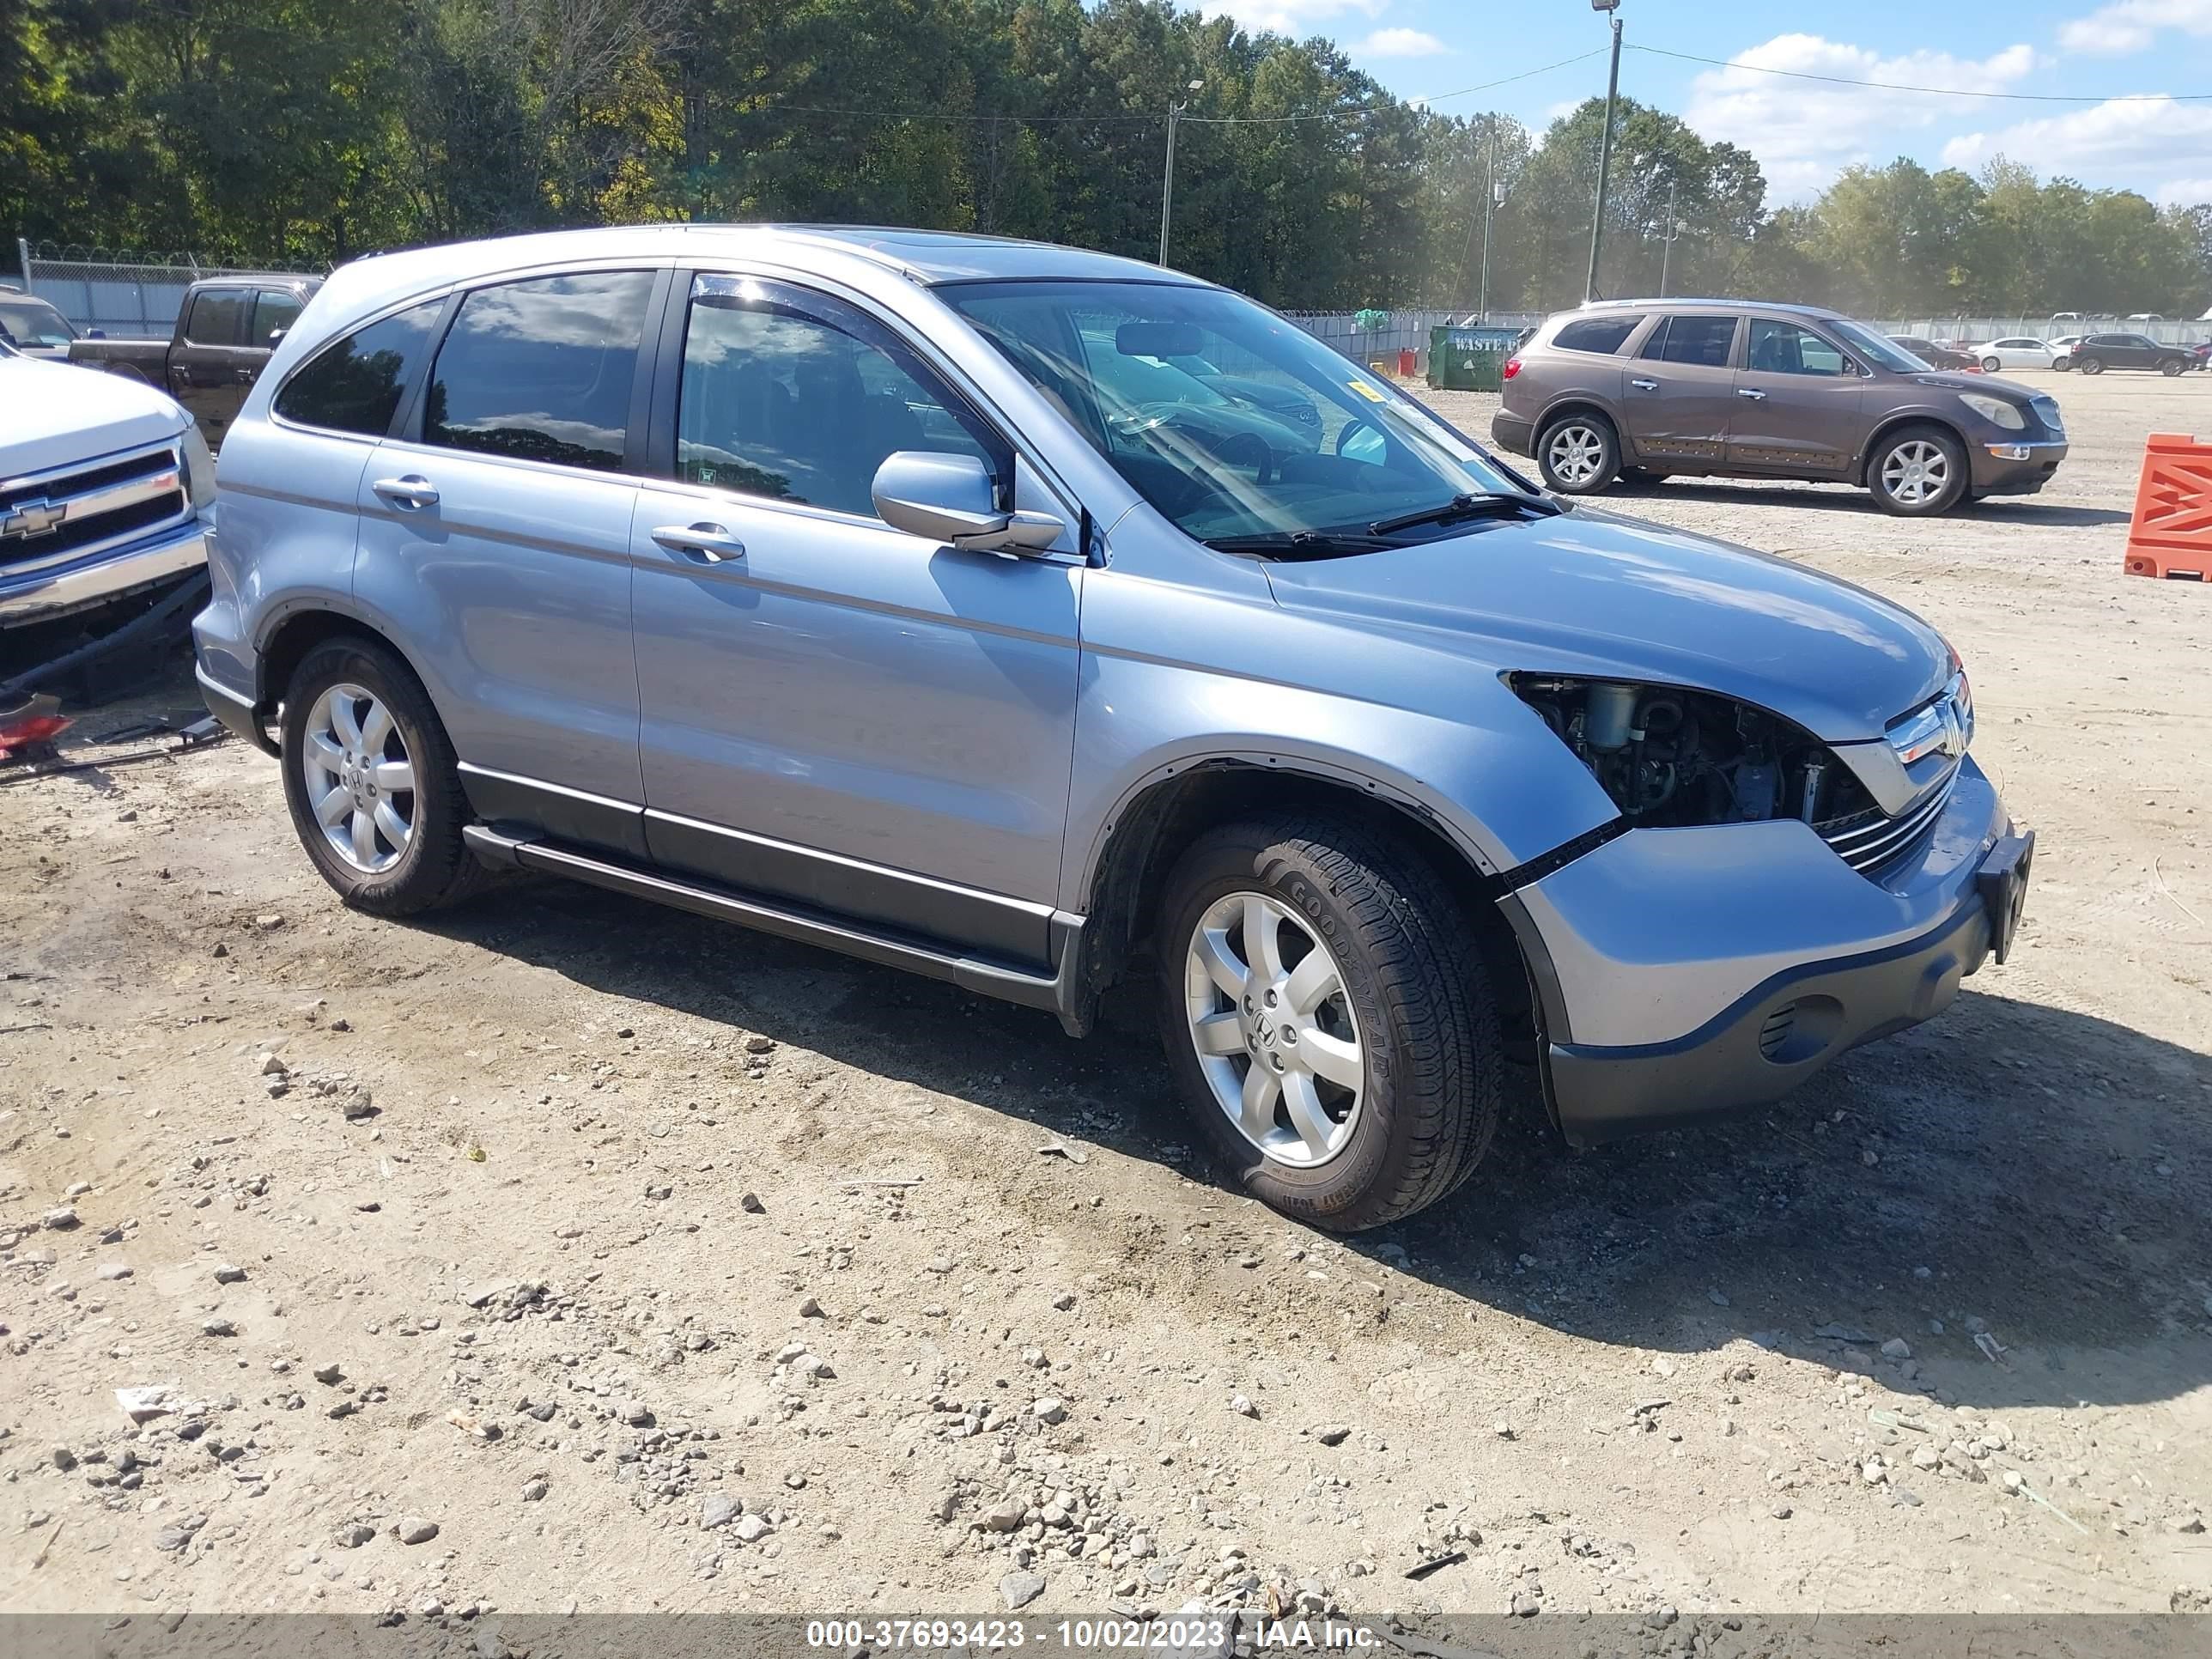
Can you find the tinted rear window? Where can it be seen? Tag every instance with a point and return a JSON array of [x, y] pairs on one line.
[[1702, 341], [542, 369], [1603, 335], [355, 385]]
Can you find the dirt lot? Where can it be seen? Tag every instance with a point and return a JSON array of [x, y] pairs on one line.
[[640, 1220]]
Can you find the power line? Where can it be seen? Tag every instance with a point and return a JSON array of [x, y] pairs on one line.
[[1154, 120], [1937, 92]]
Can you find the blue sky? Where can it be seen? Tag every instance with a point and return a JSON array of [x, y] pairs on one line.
[[1804, 131]]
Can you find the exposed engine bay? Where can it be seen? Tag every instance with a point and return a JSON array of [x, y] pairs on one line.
[[1671, 758]]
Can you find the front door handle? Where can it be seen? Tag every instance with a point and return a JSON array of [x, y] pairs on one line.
[[1746, 392], [245, 374], [413, 491], [1645, 386], [709, 543]]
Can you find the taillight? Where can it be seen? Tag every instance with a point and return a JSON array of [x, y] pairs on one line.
[[34, 723], [1512, 368]]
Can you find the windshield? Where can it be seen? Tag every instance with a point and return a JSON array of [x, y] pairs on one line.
[[1331, 449], [27, 324], [1878, 349]]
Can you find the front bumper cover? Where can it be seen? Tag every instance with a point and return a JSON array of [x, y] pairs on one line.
[[1685, 974], [112, 574]]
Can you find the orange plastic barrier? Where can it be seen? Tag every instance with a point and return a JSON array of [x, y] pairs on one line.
[[2172, 532]]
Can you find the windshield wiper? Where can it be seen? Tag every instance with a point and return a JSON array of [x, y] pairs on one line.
[[1301, 545], [1467, 506]]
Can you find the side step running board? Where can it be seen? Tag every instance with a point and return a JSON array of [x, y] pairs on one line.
[[986, 978]]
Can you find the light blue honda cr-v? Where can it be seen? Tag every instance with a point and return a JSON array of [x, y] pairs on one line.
[[909, 594]]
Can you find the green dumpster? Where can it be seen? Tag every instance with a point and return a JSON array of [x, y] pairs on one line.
[[1468, 359]]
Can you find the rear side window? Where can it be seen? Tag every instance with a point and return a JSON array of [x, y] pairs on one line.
[[1701, 342], [1603, 335], [356, 384], [216, 313], [541, 370]]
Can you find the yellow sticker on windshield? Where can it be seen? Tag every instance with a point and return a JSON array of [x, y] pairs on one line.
[[1365, 390]]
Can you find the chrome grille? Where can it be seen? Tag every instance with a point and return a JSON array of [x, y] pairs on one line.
[[1871, 840], [68, 512]]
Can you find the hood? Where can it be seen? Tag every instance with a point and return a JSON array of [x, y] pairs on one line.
[[1591, 594], [55, 414], [1959, 380]]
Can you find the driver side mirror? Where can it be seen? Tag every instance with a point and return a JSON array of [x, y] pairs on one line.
[[950, 499]]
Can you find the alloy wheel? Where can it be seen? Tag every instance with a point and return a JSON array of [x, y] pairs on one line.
[[1916, 472], [1577, 453], [1276, 1037], [360, 779]]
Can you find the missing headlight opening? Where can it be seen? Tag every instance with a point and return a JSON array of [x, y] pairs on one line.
[[1673, 758]]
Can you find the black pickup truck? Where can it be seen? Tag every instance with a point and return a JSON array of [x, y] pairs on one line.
[[226, 329]]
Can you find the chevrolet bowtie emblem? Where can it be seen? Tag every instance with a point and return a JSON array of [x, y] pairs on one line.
[[38, 518]]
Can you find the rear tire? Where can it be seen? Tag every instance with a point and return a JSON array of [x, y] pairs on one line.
[[1992, 365], [1363, 948], [1919, 471], [1578, 455], [354, 704], [2091, 365]]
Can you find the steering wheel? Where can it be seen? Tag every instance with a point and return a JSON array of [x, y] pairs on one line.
[[1249, 449]]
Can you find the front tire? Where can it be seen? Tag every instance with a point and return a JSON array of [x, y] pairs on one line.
[[373, 783], [1326, 1019], [2171, 367], [1578, 455], [1919, 471]]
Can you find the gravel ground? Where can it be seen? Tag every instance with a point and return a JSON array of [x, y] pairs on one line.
[[563, 1253]]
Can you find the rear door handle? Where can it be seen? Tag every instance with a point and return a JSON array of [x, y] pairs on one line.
[[1645, 386], [413, 491], [1746, 392], [709, 543], [245, 374]]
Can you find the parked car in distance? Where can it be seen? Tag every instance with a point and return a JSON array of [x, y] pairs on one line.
[[105, 488], [1739, 389], [1932, 354], [226, 329], [2061, 348], [622, 554], [2095, 353], [35, 327], [2017, 351], [2202, 351]]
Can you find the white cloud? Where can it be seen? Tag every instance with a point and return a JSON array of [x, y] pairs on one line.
[[2132, 141], [1296, 18], [2183, 192], [2129, 26], [1805, 132], [1401, 43]]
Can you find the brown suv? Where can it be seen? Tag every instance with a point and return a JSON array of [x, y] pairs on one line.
[[1741, 389]]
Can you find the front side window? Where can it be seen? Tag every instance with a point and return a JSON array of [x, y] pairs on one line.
[[354, 384], [798, 398], [541, 370], [1698, 341], [1779, 348], [216, 313], [1603, 335], [1311, 442], [274, 312]]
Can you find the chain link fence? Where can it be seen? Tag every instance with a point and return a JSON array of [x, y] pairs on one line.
[[1401, 331], [1980, 330], [122, 294]]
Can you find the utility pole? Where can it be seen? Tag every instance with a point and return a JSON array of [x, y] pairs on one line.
[[1489, 202], [1605, 146], [1667, 242], [1167, 182]]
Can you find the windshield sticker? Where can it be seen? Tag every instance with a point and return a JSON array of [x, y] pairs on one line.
[[1365, 390]]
